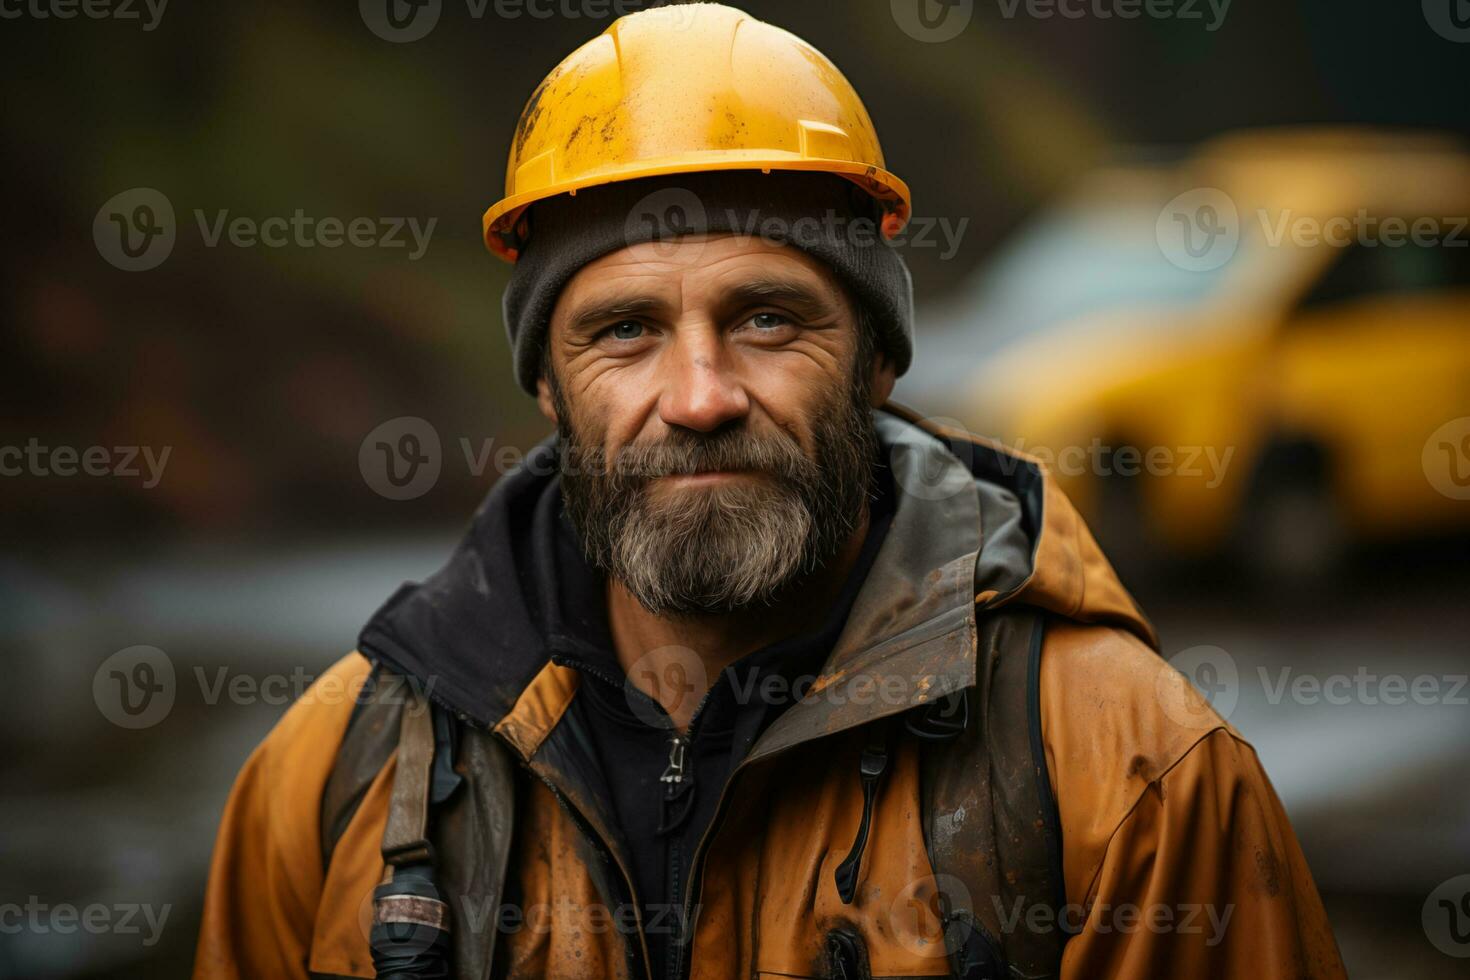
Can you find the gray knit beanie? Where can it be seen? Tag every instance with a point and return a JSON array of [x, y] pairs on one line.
[[827, 217]]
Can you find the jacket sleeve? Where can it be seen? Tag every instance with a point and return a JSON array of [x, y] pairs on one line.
[[1204, 878], [266, 878], [1178, 857]]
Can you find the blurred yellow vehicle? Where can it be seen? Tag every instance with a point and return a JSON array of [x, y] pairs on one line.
[[1250, 352]]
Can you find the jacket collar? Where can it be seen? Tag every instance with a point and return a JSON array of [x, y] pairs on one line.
[[974, 525]]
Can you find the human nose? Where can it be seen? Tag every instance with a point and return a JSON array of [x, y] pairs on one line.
[[701, 388]]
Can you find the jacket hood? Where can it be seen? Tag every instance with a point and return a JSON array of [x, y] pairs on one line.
[[977, 526], [1064, 570]]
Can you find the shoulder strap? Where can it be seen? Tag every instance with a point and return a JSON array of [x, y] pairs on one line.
[[990, 820], [406, 835], [411, 919], [440, 843], [370, 741]]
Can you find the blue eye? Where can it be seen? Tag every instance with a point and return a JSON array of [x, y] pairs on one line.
[[768, 321], [626, 330]]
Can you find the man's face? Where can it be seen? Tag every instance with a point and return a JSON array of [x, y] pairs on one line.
[[712, 399]]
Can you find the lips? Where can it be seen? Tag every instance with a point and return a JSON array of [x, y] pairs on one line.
[[707, 476]]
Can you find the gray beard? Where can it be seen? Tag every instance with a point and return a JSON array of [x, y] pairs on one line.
[[731, 547]]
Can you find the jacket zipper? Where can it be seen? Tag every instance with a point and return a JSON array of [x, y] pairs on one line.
[[673, 777], [674, 774], [674, 785], [696, 875]]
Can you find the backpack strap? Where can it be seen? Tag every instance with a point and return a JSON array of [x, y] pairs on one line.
[[990, 819], [406, 836], [370, 741], [411, 919], [429, 816]]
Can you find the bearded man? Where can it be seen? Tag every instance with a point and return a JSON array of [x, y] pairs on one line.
[[746, 673]]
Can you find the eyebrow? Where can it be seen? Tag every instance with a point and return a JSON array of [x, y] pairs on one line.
[[800, 298], [595, 313]]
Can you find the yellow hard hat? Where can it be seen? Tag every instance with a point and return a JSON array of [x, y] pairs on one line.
[[687, 88]]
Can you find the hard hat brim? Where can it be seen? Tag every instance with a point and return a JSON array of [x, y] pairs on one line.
[[891, 193]]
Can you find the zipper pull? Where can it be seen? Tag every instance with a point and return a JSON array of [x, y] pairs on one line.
[[870, 769], [678, 801], [674, 774]]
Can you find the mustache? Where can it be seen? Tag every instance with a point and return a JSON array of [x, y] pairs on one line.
[[686, 453]]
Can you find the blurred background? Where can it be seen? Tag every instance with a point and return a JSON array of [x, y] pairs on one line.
[[1208, 260]]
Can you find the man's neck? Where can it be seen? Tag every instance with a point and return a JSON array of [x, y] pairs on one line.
[[665, 657]]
